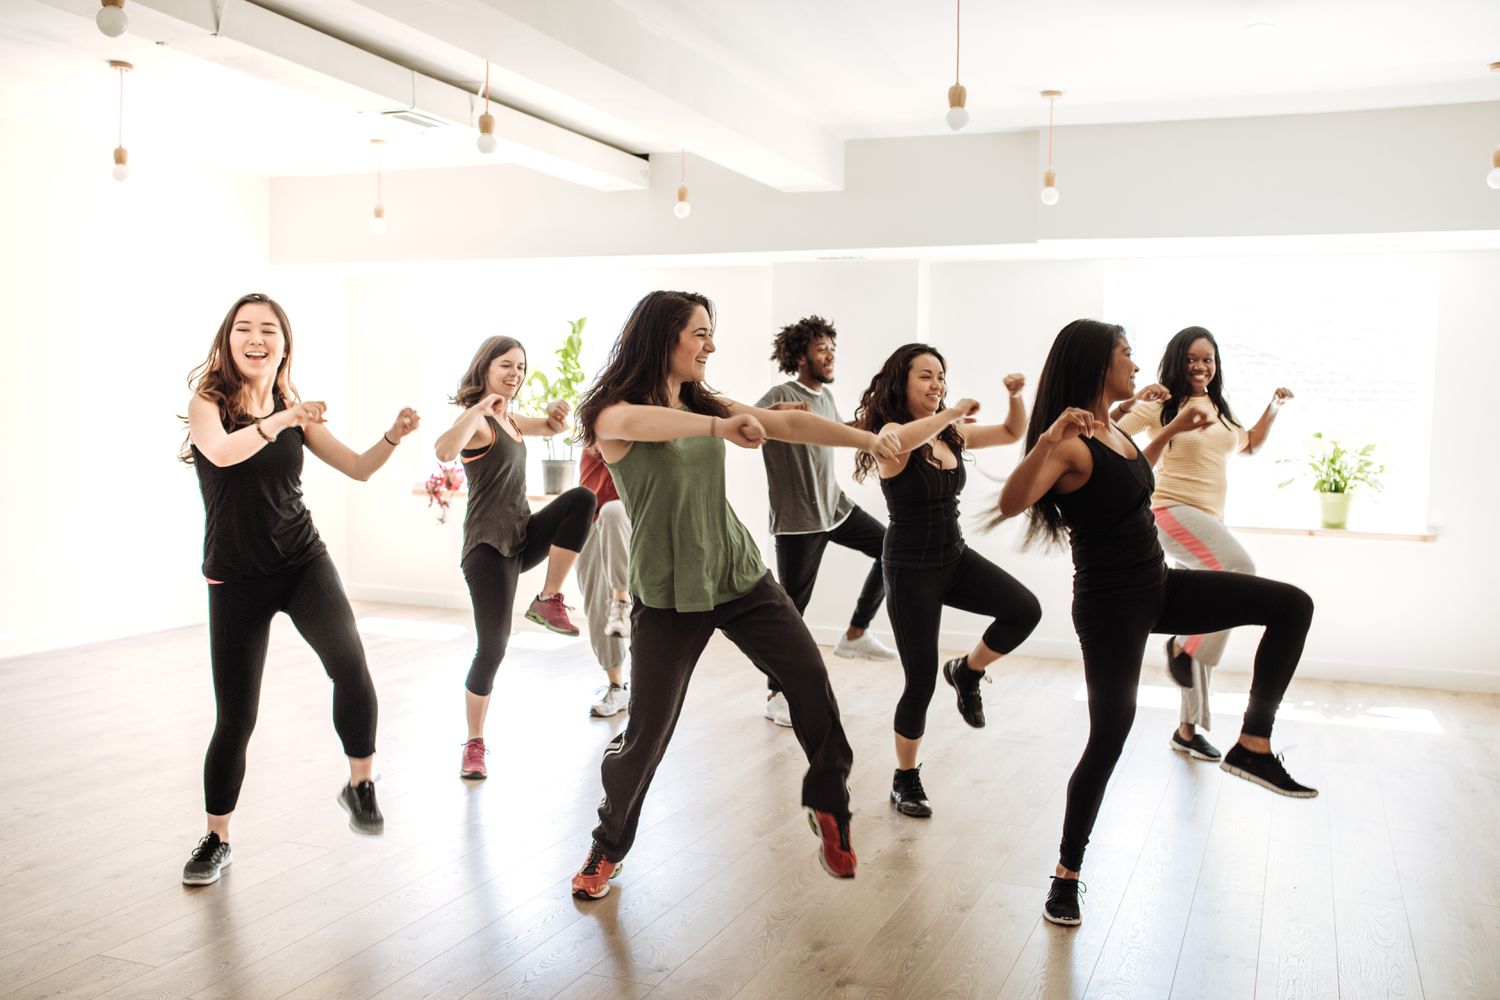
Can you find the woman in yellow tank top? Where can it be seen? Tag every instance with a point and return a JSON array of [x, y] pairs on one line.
[[1193, 432]]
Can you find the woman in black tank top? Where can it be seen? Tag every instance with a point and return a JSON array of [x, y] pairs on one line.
[[501, 537], [927, 565], [1083, 477], [247, 431]]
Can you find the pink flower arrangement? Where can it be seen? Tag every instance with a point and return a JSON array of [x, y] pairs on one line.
[[442, 484]]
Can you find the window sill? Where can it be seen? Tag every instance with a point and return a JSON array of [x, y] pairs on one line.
[[1379, 536], [418, 491]]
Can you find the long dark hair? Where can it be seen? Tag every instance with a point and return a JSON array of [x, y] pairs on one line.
[[641, 360], [1173, 374], [219, 381], [884, 402], [1074, 375], [474, 385]]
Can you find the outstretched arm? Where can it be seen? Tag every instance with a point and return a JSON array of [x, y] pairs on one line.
[[360, 465], [1057, 456], [1014, 428], [1262, 428]]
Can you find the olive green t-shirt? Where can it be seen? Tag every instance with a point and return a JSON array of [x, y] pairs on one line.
[[688, 550]]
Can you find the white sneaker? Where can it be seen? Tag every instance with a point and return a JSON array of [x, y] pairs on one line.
[[778, 711], [612, 699], [617, 619], [866, 647]]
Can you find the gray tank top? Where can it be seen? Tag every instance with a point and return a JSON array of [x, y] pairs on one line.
[[498, 510]]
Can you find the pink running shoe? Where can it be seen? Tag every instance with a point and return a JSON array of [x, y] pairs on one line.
[[551, 612], [473, 765]]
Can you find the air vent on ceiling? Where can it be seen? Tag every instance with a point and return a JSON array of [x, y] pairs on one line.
[[414, 117]]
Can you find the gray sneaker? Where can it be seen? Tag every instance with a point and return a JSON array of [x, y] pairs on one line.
[[208, 860]]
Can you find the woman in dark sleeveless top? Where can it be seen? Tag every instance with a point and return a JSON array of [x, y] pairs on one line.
[[1083, 475], [694, 569], [501, 537], [247, 430], [927, 565]]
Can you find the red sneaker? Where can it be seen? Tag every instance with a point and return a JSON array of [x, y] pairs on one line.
[[473, 765], [592, 880], [551, 612], [837, 855]]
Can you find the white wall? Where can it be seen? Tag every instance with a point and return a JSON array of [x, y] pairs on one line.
[[111, 292], [1410, 170]]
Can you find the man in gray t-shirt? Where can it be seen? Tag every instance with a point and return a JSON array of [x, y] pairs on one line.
[[808, 509]]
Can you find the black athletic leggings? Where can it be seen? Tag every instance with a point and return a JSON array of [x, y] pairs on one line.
[[915, 598], [565, 522], [239, 629], [798, 558], [1113, 628]]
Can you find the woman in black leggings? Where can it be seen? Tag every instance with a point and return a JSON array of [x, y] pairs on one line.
[[1083, 474], [501, 537], [261, 554], [927, 565]]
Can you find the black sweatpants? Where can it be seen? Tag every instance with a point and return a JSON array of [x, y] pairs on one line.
[[664, 648], [799, 556], [915, 598], [565, 522], [1113, 628], [239, 630]]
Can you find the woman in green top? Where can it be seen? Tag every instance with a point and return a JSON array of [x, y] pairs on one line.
[[694, 568]]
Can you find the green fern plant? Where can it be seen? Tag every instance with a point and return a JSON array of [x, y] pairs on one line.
[[1336, 469], [565, 383]]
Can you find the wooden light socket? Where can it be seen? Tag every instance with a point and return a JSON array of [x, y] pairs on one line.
[[957, 95]]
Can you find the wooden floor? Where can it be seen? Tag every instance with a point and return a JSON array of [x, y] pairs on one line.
[[1199, 885]]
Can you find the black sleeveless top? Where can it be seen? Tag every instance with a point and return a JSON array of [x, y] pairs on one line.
[[1110, 525], [255, 524], [498, 510], [923, 504]]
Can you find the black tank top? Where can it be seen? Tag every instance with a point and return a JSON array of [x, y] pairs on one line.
[[1110, 525], [922, 501], [498, 511], [255, 524]]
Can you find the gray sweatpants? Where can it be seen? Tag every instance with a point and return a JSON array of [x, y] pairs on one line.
[[603, 567], [1200, 541]]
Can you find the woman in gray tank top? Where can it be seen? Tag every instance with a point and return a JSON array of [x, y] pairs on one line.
[[695, 569]]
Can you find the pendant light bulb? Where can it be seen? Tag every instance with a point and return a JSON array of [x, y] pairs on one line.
[[122, 158], [487, 142], [122, 166], [958, 115], [377, 221], [1050, 193], [111, 18], [1493, 180], [683, 208]]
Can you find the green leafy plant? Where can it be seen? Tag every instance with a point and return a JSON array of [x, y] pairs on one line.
[[1336, 469], [564, 383]]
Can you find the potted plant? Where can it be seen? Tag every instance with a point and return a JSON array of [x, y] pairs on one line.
[[1335, 472], [558, 469]]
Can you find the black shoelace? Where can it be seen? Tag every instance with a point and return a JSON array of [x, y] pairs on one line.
[[591, 866], [207, 847], [911, 785]]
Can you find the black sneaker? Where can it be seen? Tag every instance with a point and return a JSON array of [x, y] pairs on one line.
[[907, 793], [1266, 770], [966, 683], [1179, 665], [1062, 902], [209, 858], [1197, 748], [359, 802]]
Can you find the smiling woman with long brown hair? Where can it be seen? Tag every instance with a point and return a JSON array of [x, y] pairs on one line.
[[247, 430]]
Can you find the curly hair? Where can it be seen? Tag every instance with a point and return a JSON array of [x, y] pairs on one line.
[[884, 402], [790, 345]]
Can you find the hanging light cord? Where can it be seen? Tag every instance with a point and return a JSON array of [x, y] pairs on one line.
[[684, 166], [486, 86], [121, 140], [1051, 105], [379, 169], [957, 34]]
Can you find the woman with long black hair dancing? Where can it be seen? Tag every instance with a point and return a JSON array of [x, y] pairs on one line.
[[1083, 475], [502, 538], [247, 429], [927, 565], [695, 569]]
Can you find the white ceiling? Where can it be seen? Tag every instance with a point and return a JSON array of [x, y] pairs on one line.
[[770, 88]]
